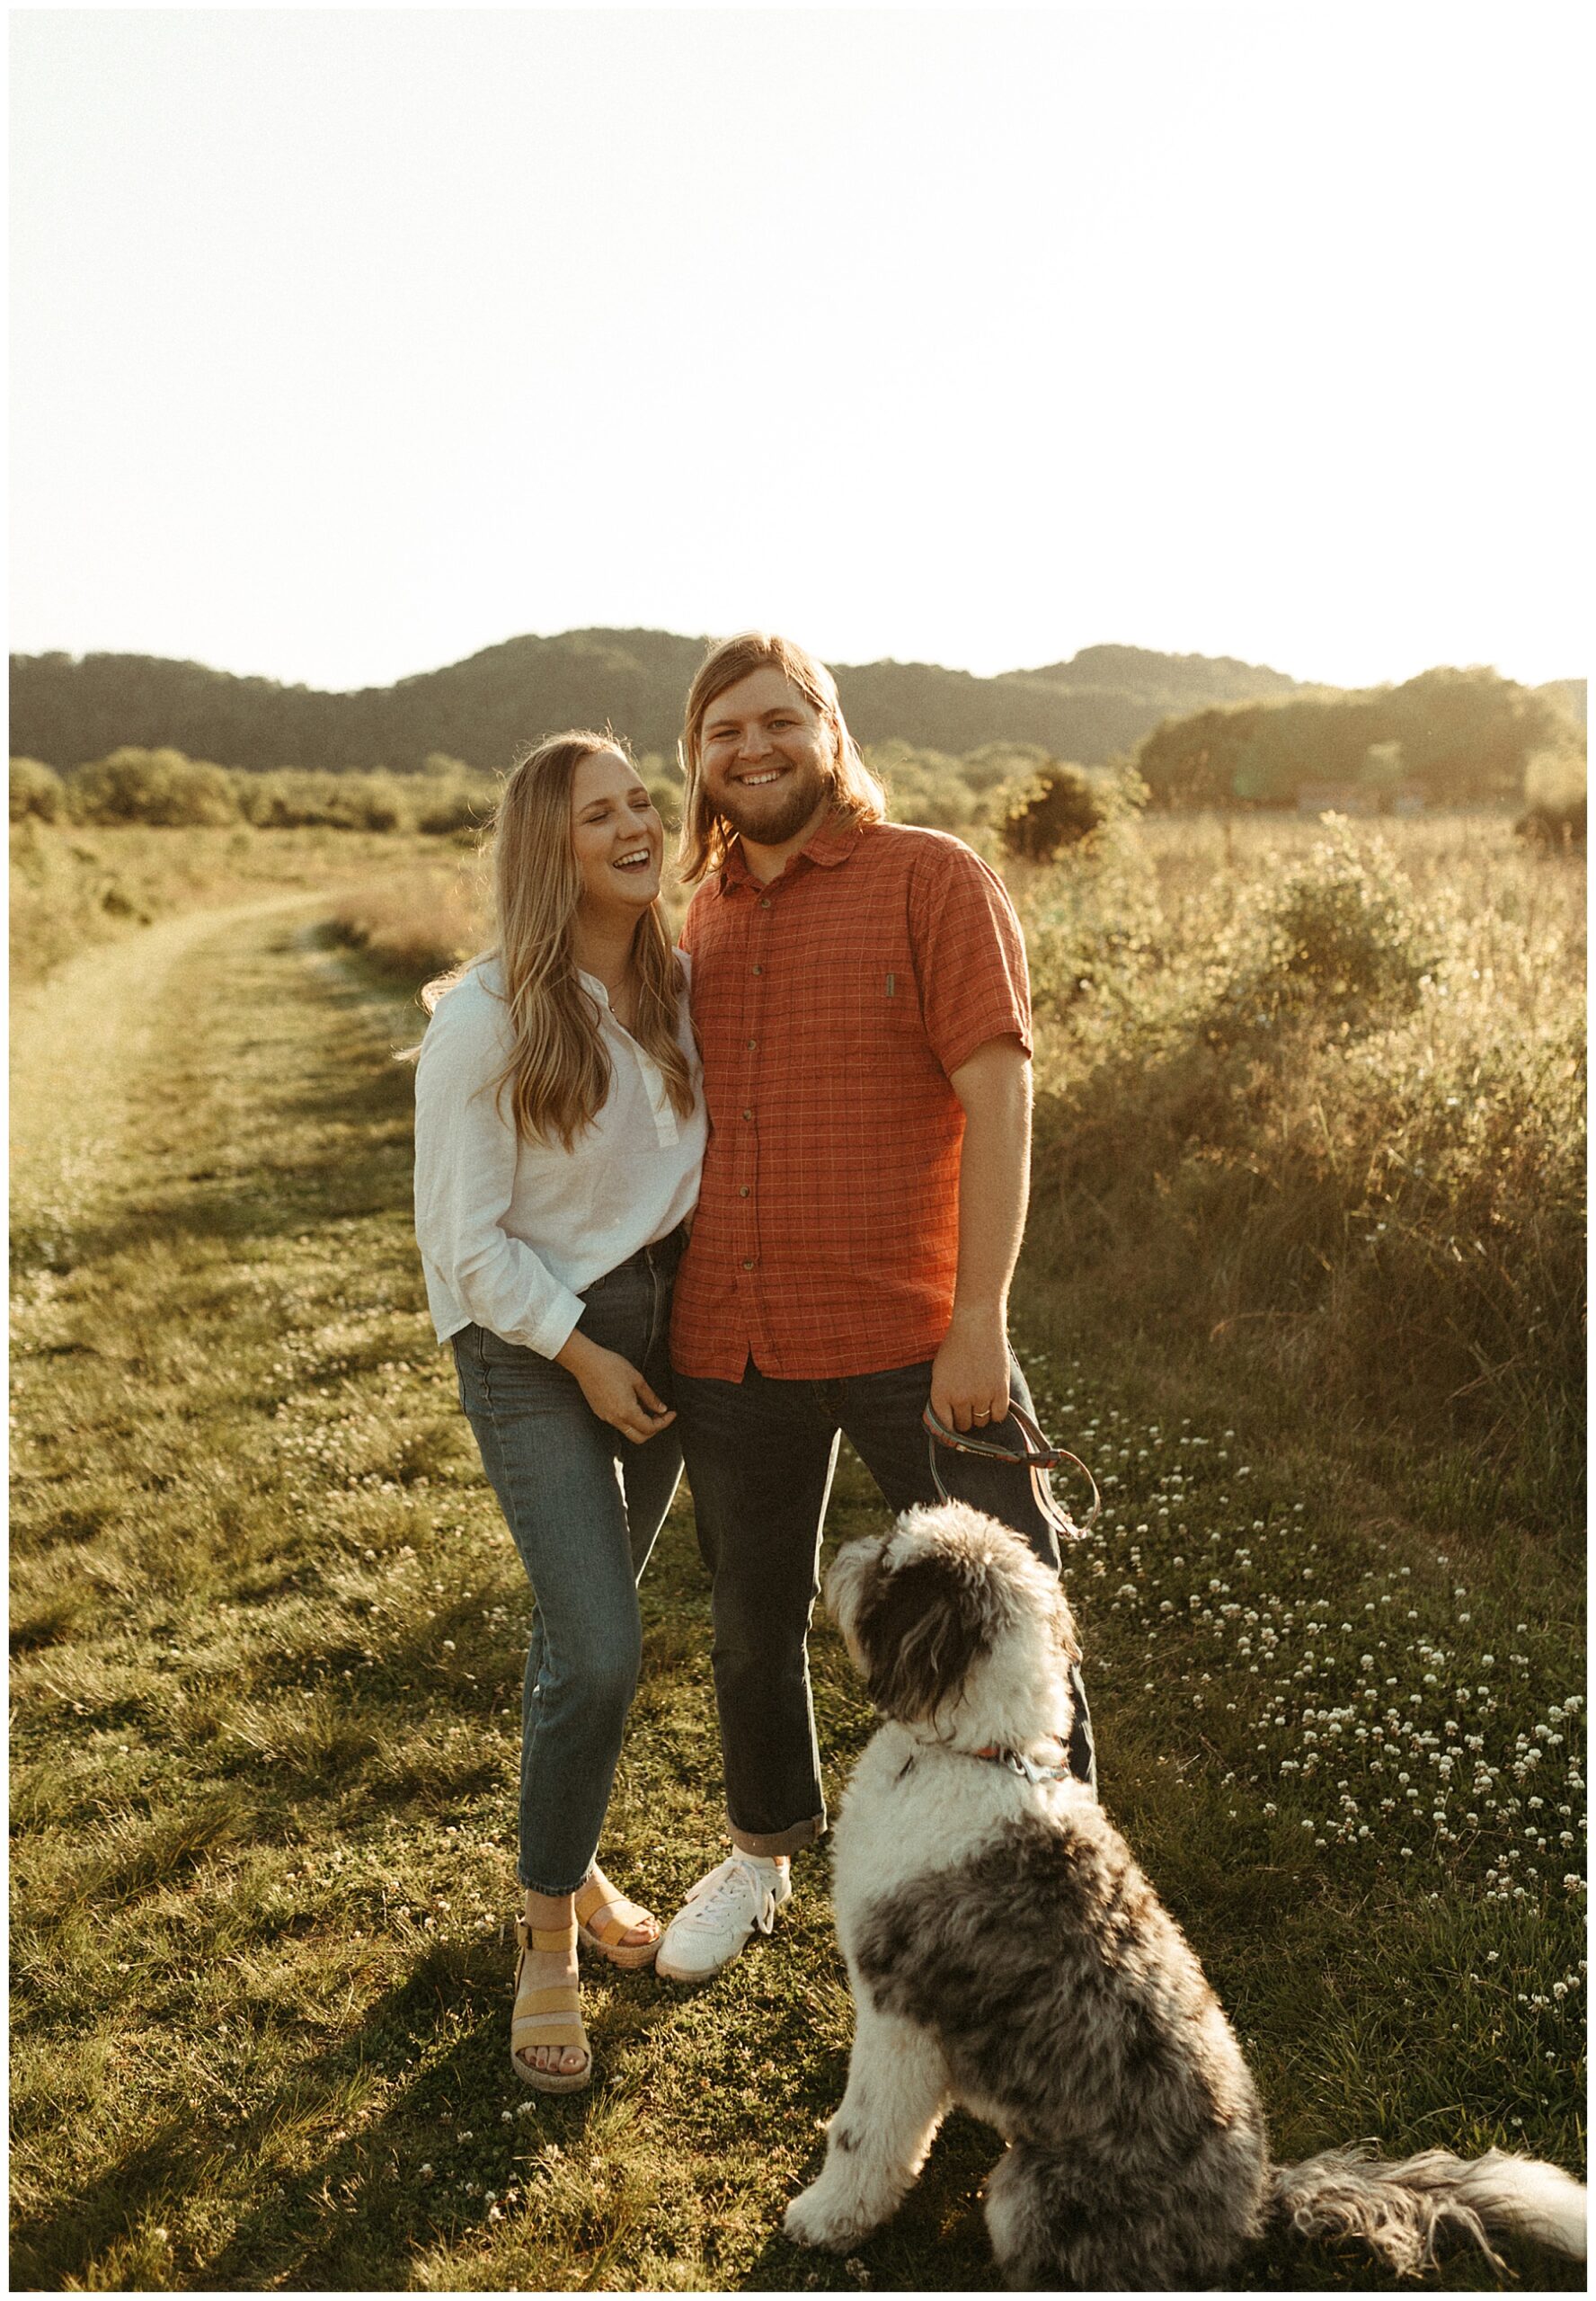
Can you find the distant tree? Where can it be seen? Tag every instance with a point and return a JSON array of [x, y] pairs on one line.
[[1383, 770], [36, 790], [1555, 791], [1461, 736], [1469, 734]]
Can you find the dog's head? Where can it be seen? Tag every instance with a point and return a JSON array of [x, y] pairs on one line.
[[952, 1614]]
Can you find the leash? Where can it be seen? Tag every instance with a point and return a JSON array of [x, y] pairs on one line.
[[1038, 1455]]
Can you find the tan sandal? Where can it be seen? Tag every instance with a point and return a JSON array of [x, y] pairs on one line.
[[608, 1935], [547, 2016]]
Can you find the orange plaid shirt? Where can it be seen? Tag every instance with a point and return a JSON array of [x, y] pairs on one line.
[[831, 1006]]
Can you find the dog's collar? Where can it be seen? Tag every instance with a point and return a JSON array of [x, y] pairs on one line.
[[1015, 1761], [1018, 1763]]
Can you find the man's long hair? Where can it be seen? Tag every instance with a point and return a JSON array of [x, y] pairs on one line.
[[558, 1074], [856, 795]]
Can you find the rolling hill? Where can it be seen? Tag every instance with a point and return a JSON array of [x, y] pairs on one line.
[[66, 710]]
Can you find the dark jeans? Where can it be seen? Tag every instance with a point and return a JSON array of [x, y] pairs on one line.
[[759, 1457], [584, 1506]]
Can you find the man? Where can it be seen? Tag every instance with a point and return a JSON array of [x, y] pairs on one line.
[[860, 994]]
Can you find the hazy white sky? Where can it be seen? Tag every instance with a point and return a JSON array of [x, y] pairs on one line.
[[347, 342]]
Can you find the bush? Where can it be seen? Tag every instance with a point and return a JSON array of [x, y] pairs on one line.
[[161, 787], [287, 798], [1339, 934], [36, 790], [1059, 807]]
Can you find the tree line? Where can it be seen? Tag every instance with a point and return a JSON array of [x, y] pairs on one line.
[[1447, 737], [68, 711]]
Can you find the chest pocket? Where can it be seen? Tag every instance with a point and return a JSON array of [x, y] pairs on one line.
[[870, 1010]]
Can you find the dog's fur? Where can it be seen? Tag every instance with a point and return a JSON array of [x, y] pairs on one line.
[[1006, 1953]]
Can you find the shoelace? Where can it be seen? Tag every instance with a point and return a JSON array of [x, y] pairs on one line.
[[708, 1896]]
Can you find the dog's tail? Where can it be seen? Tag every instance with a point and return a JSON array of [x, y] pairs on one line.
[[1400, 2210]]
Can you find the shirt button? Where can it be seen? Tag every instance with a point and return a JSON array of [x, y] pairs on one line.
[[747, 1262], [748, 1114], [764, 902], [753, 1047], [743, 1192], [758, 970]]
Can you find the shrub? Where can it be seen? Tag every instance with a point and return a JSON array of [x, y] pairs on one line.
[[1061, 804], [287, 798], [162, 787], [1339, 934], [455, 810], [36, 790]]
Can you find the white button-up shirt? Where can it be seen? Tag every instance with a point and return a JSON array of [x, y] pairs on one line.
[[511, 1231]]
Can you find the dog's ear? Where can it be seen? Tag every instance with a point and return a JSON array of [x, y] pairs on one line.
[[919, 1630]]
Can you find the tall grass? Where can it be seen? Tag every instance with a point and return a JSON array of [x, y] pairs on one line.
[[1311, 1117], [416, 923]]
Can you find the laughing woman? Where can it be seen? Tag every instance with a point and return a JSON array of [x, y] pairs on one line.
[[559, 1133]]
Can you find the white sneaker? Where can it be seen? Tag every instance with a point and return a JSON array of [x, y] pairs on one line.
[[720, 1914]]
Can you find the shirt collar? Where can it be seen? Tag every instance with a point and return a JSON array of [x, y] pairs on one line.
[[831, 844]]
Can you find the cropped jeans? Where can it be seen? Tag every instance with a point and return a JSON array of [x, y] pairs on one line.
[[584, 1505], [760, 1454]]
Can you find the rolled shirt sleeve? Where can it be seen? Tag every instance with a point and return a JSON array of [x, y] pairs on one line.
[[466, 1180]]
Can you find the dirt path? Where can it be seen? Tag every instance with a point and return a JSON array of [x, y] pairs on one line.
[[90, 1046], [79, 1039]]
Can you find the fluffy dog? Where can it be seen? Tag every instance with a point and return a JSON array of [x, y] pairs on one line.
[[1006, 1953]]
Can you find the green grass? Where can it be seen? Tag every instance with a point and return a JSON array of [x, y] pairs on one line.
[[267, 1639]]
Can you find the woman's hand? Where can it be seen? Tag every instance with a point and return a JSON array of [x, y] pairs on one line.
[[614, 1389]]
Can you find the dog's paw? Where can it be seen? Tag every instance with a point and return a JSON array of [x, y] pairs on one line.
[[813, 2219]]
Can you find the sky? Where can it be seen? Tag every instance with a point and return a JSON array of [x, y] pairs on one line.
[[347, 342]]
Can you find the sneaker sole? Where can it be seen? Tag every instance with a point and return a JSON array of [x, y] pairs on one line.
[[668, 1972]]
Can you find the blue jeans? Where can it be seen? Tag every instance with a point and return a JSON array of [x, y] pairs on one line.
[[760, 1456], [584, 1506]]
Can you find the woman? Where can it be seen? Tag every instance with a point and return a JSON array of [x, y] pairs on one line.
[[559, 1129]]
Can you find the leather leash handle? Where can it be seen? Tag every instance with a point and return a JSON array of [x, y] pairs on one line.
[[1038, 1456]]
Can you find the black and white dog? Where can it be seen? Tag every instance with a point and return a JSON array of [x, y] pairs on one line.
[[1006, 1953]]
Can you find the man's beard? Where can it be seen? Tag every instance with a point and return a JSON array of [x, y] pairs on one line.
[[770, 820]]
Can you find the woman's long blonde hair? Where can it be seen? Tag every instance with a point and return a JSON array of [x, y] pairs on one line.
[[558, 1074], [856, 795]]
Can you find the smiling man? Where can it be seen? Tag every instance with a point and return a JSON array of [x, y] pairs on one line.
[[860, 995]]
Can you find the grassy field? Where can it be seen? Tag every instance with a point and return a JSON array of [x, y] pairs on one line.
[[267, 1636]]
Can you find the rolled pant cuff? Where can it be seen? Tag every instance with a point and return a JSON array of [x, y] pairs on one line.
[[770, 1843], [555, 1893]]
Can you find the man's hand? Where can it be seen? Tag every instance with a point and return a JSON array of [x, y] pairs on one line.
[[614, 1389], [970, 1375]]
